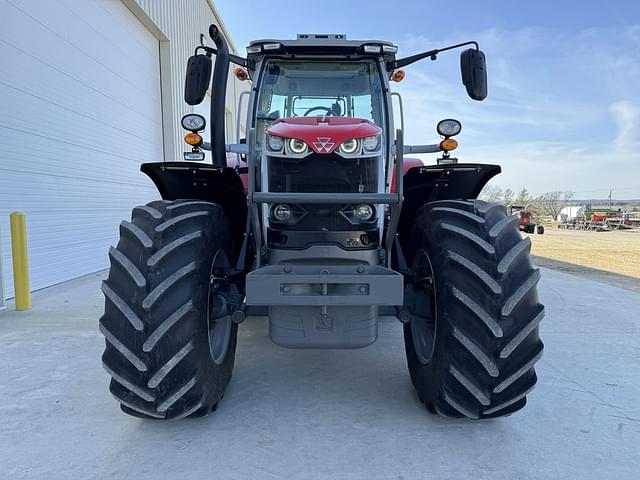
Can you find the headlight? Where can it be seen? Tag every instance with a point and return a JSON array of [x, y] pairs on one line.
[[275, 144], [360, 213], [363, 212], [281, 212], [297, 146], [371, 144], [350, 146], [193, 122], [449, 127]]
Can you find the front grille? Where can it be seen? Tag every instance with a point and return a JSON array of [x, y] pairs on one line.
[[323, 173], [318, 174]]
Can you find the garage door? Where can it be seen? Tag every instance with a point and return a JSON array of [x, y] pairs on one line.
[[80, 111]]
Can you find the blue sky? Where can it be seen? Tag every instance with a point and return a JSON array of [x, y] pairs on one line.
[[563, 111]]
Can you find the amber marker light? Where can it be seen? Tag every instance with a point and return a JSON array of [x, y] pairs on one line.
[[448, 144], [398, 76], [241, 74], [193, 139]]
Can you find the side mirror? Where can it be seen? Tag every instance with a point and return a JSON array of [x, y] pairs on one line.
[[197, 79], [474, 73]]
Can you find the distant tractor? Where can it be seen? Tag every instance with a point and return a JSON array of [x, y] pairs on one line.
[[305, 226], [526, 223]]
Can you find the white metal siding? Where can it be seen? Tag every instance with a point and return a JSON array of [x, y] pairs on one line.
[[204, 109], [80, 110], [3, 304], [182, 22]]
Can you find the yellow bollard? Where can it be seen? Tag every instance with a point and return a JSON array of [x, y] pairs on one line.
[[20, 258]]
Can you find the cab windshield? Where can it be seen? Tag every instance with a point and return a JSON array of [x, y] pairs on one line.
[[319, 89]]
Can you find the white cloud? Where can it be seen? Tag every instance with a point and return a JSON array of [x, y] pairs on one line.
[[559, 115], [627, 116]]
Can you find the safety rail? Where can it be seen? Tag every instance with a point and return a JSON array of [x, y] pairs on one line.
[[287, 197], [394, 199]]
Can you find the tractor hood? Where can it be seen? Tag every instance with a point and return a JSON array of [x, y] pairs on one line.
[[323, 134]]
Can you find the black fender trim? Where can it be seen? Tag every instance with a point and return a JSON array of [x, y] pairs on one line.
[[460, 181], [195, 181]]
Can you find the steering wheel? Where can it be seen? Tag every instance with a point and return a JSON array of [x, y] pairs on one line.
[[328, 111]]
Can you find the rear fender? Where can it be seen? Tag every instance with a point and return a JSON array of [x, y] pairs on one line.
[[460, 181], [211, 183]]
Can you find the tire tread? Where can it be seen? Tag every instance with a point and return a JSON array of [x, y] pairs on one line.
[[487, 340], [157, 342]]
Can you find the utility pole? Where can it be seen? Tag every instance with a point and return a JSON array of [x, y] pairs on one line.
[[610, 203]]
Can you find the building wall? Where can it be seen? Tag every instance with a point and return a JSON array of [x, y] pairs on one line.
[[181, 26], [80, 110], [95, 89]]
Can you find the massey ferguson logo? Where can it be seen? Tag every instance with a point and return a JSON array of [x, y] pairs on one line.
[[324, 144]]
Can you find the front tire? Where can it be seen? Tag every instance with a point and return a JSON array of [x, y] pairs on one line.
[[472, 338], [157, 321]]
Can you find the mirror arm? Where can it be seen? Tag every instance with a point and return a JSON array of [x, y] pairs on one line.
[[434, 148], [243, 62], [403, 62], [433, 54], [239, 148]]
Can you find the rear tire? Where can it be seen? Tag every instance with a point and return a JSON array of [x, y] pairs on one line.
[[156, 322], [472, 338]]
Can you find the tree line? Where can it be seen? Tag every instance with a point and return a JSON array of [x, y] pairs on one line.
[[548, 204]]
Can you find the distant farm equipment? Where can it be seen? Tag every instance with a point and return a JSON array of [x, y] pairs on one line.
[[602, 221], [526, 223]]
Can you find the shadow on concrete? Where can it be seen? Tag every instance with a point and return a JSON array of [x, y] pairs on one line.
[[602, 276]]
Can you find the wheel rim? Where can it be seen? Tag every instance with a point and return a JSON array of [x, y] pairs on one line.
[[219, 322], [421, 299]]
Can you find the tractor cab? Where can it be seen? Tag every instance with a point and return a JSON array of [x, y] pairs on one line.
[[322, 90]]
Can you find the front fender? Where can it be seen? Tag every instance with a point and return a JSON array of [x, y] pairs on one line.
[[460, 181], [211, 183]]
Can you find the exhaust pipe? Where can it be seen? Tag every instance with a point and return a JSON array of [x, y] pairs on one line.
[[219, 86]]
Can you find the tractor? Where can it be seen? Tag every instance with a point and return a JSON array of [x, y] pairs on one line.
[[525, 220], [318, 220]]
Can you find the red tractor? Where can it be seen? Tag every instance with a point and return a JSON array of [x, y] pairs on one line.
[[305, 227], [525, 222]]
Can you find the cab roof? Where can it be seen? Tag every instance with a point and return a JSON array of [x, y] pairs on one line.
[[321, 45]]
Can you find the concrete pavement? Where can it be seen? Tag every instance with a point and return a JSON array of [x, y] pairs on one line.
[[323, 414]]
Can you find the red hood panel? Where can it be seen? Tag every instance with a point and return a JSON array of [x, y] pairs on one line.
[[323, 135]]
